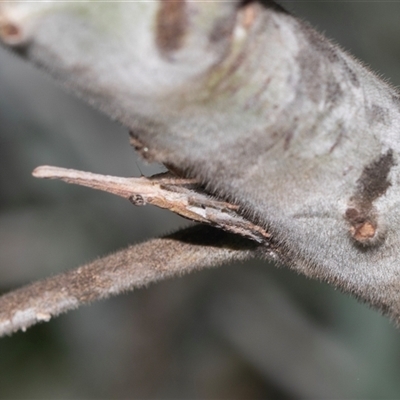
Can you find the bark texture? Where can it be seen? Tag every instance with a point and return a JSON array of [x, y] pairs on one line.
[[259, 108]]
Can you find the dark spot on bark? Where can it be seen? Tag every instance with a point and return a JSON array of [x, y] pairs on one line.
[[376, 114], [315, 61], [311, 80], [363, 225], [171, 25], [22, 50], [361, 214], [288, 138], [137, 200], [315, 82], [373, 181], [328, 50], [352, 214], [13, 35], [339, 138], [333, 91], [351, 74], [9, 31]]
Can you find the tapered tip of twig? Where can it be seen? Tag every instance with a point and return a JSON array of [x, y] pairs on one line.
[[123, 187], [45, 171]]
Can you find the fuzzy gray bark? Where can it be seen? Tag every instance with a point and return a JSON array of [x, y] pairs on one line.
[[254, 105]]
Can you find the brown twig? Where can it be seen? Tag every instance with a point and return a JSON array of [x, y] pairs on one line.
[[136, 266], [185, 251], [182, 196]]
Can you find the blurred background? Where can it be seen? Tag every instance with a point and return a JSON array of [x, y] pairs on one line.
[[238, 332]]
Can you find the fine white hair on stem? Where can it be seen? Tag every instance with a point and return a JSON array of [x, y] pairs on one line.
[[136, 266]]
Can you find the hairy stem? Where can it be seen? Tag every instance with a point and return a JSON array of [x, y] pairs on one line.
[[185, 251]]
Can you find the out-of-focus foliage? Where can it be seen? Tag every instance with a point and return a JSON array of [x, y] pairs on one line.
[[244, 331]]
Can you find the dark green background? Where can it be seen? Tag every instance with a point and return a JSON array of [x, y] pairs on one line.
[[239, 332]]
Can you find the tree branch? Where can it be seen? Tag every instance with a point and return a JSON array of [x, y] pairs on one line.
[[136, 266], [188, 250], [182, 196], [259, 108]]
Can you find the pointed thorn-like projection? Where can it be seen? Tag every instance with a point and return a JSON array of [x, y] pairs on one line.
[[182, 196]]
